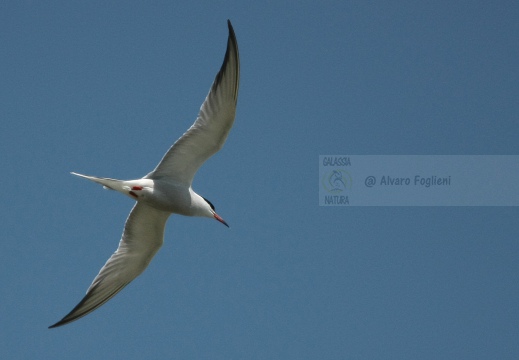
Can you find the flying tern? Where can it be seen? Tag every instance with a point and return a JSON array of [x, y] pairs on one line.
[[167, 189]]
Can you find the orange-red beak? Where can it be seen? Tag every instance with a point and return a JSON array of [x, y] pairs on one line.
[[217, 217]]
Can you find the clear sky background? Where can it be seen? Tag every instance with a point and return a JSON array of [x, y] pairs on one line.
[[105, 89]]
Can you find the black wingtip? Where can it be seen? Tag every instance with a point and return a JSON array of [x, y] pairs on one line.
[[229, 26], [231, 30], [62, 322], [59, 323]]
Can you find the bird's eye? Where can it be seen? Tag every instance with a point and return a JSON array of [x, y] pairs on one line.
[[210, 204]]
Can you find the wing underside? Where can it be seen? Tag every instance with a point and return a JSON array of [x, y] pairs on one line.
[[211, 128], [142, 237]]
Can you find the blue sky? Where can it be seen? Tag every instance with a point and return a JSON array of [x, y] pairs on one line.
[[105, 89]]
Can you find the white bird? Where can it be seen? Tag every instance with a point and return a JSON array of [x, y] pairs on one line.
[[167, 189]]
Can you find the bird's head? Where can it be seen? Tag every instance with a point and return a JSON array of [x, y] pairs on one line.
[[210, 209]]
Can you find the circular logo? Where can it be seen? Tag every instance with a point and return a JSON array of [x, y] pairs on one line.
[[336, 181]]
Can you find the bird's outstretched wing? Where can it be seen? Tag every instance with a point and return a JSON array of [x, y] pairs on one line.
[[209, 132], [142, 237]]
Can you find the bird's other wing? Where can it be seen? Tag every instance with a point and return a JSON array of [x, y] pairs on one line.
[[209, 132], [142, 237]]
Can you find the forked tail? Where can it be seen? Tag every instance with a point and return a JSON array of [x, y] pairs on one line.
[[112, 184]]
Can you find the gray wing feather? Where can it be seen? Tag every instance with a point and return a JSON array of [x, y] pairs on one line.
[[211, 128], [142, 237]]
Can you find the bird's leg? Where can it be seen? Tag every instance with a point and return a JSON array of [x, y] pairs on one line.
[[136, 188]]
